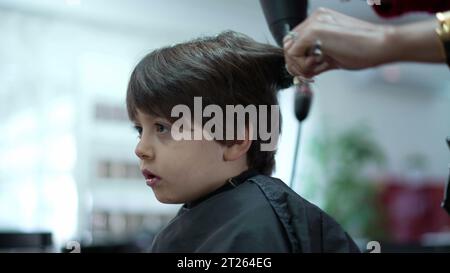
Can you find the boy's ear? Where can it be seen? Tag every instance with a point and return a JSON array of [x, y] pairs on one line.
[[239, 148]]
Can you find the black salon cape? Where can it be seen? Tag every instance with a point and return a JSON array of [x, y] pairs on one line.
[[258, 214]]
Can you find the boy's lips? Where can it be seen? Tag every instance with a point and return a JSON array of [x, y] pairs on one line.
[[150, 178]]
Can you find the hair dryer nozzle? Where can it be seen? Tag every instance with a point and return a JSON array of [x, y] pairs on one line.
[[302, 101]]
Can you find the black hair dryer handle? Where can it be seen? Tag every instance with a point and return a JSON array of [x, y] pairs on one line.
[[446, 202]]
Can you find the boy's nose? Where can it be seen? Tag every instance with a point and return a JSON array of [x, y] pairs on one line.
[[144, 151]]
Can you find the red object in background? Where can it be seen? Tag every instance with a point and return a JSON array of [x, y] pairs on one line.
[[412, 210], [392, 8]]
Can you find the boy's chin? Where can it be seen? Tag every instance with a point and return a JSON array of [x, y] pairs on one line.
[[167, 200]]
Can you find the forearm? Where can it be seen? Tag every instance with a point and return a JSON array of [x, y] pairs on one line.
[[416, 42]]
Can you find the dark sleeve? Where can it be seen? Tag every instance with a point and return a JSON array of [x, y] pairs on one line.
[[334, 238], [393, 8], [308, 229], [325, 234]]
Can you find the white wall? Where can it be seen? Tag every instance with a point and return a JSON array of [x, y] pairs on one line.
[[407, 107]]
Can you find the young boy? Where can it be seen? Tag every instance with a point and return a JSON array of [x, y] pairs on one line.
[[231, 204]]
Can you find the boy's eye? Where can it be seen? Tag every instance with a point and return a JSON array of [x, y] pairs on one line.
[[161, 128], [138, 129]]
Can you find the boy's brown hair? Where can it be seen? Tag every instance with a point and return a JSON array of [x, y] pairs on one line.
[[227, 69]]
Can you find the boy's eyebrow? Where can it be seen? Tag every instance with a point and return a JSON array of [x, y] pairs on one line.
[[133, 120], [153, 118], [136, 122], [162, 119]]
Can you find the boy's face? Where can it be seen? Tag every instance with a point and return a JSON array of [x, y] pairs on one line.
[[185, 169]]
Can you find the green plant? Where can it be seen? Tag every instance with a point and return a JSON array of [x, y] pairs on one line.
[[348, 193]]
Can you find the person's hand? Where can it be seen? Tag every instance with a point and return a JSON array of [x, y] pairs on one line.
[[346, 43], [350, 43]]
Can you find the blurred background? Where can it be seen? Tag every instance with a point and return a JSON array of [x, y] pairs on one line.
[[372, 152]]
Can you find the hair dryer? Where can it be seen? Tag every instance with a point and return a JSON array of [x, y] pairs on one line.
[[446, 202], [282, 16]]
